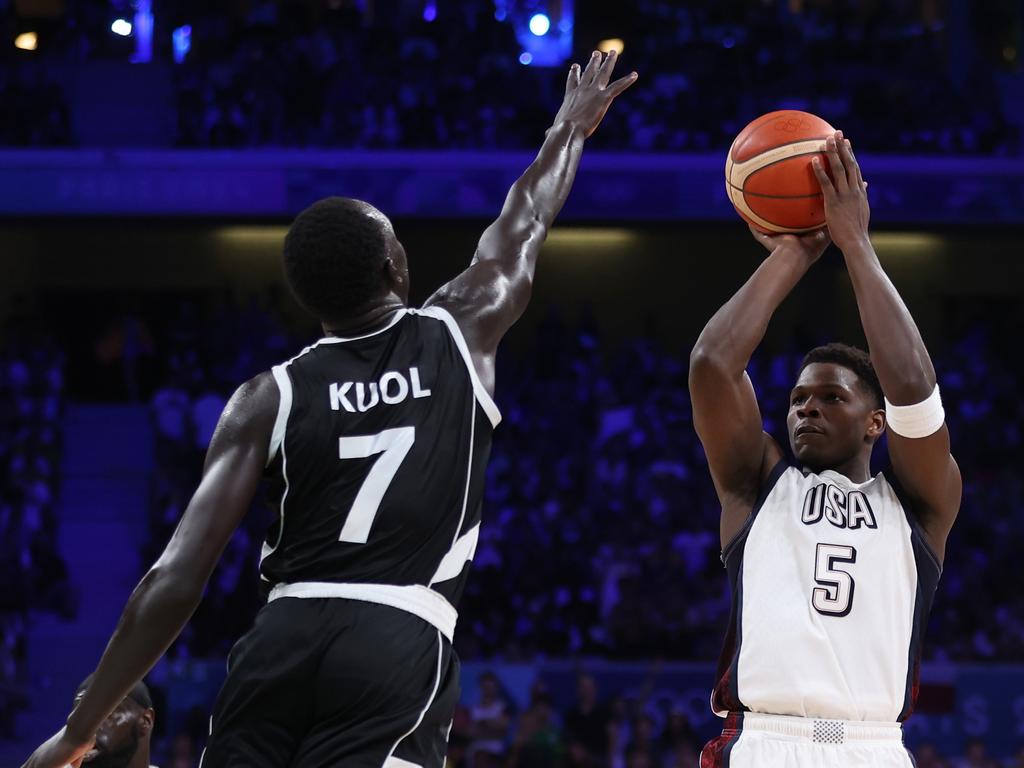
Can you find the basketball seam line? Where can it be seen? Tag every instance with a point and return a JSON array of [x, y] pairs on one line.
[[778, 146], [774, 197]]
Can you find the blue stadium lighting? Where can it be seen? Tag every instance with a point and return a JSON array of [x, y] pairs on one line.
[[540, 24], [121, 27], [181, 38], [525, 58]]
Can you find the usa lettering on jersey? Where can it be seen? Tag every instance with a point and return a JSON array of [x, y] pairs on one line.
[[843, 509], [392, 389]]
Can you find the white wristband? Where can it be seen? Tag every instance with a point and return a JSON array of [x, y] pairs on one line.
[[918, 420]]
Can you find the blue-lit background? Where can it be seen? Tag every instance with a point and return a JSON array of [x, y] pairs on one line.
[[151, 154]]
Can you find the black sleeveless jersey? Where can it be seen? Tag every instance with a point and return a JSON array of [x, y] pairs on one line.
[[377, 458]]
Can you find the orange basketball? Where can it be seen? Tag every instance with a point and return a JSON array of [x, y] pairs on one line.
[[768, 172]]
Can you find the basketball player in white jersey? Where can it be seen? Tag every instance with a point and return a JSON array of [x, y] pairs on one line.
[[832, 570], [374, 440]]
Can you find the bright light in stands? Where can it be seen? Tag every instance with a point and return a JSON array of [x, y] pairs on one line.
[[430, 10], [525, 58], [121, 27], [27, 41], [540, 24], [611, 44], [181, 38]]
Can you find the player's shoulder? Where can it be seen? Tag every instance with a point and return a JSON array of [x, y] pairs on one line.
[[252, 408]]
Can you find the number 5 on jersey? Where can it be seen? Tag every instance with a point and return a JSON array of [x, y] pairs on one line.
[[835, 595], [394, 444]]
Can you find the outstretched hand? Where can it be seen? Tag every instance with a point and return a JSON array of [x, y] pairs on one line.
[[810, 245], [847, 212], [588, 93]]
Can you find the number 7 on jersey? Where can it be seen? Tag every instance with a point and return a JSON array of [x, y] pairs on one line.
[[394, 444]]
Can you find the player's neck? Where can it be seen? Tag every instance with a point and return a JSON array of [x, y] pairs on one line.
[[366, 321], [858, 469]]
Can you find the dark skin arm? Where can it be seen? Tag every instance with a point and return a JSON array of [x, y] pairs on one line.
[[169, 593], [924, 466], [725, 411], [488, 297]]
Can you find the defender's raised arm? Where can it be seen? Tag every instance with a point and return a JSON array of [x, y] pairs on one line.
[[489, 296]]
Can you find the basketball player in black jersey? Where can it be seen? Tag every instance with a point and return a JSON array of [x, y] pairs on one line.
[[375, 439]]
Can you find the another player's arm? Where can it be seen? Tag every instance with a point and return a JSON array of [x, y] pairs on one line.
[[169, 593], [489, 296], [923, 465], [725, 410]]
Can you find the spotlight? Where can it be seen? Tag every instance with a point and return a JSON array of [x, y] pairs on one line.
[[525, 58], [181, 38], [121, 27], [540, 24], [611, 44], [27, 41]]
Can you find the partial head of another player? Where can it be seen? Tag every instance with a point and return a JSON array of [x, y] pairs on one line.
[[836, 408], [122, 740], [341, 257]]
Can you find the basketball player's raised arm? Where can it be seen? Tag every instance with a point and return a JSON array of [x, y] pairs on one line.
[[921, 460], [725, 410], [169, 593], [489, 296]]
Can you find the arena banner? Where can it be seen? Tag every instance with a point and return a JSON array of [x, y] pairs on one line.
[[464, 184]]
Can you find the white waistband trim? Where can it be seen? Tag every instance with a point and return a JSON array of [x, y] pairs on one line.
[[821, 730], [416, 599]]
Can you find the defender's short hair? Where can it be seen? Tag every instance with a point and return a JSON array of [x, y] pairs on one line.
[[857, 360], [334, 256], [139, 694]]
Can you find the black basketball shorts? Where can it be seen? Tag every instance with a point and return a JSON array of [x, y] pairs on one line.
[[331, 682]]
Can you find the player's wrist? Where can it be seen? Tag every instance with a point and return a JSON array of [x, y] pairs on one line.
[[857, 246], [573, 129]]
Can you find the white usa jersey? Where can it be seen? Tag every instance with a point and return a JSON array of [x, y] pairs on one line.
[[832, 583]]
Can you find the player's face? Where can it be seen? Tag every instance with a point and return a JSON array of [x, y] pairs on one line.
[[117, 739], [830, 416]]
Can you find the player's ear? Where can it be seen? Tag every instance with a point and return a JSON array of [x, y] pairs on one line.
[[145, 722], [876, 424]]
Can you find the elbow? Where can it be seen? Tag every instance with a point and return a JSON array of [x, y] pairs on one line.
[[704, 357], [708, 367]]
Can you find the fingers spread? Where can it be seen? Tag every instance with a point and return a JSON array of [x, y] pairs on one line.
[[605, 73], [621, 84], [573, 80], [592, 68]]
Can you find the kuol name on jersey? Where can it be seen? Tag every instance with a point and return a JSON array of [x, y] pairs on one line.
[[843, 509], [392, 389]]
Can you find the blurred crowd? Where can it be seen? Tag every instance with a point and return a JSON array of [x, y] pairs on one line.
[[598, 504], [34, 576], [899, 77], [600, 524]]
